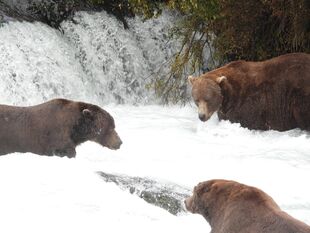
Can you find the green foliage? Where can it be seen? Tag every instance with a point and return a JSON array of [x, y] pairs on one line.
[[257, 30], [244, 29], [194, 30], [148, 8]]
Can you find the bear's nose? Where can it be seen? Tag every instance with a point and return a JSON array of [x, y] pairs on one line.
[[120, 143], [117, 145], [202, 117]]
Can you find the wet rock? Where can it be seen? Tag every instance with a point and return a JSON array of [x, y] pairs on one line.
[[168, 196], [9, 13], [53, 12]]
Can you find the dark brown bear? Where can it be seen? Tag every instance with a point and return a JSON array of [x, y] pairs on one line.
[[231, 207], [55, 128], [273, 94]]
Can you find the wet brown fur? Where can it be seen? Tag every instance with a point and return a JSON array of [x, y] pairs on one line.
[[231, 207], [55, 127], [273, 94]]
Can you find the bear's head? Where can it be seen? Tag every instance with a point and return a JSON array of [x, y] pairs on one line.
[[213, 198], [208, 197], [207, 95], [96, 124]]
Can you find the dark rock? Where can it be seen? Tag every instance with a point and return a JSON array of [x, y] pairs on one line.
[[53, 12], [168, 196], [9, 13]]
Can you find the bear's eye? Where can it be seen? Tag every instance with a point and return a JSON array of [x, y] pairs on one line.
[[200, 190]]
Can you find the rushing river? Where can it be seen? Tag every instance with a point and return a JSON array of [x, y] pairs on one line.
[[94, 59]]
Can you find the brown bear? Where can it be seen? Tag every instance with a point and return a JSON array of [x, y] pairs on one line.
[[272, 94], [231, 207], [55, 128]]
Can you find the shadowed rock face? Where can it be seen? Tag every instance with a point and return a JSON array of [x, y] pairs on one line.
[[9, 13], [167, 196], [53, 12]]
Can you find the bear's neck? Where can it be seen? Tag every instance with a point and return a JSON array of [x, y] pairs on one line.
[[81, 131], [231, 91]]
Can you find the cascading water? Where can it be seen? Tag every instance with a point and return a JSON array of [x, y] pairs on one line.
[[93, 59]]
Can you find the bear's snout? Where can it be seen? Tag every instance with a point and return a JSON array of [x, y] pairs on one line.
[[204, 112], [202, 117], [188, 204], [117, 145], [113, 142]]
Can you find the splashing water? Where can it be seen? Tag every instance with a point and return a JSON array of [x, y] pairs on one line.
[[94, 59]]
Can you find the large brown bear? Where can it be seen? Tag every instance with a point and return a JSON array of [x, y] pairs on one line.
[[273, 94], [55, 128], [231, 207]]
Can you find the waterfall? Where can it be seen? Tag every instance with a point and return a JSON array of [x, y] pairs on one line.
[[91, 58]]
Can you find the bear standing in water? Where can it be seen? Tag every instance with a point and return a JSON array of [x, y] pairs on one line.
[[272, 94], [55, 128], [231, 207]]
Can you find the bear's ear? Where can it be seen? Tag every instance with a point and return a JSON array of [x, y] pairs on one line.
[[87, 113], [191, 79], [220, 79]]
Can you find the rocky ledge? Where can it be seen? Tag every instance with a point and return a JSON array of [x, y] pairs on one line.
[[168, 196], [53, 12]]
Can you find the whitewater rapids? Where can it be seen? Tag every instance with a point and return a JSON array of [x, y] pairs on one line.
[[94, 59], [167, 144]]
